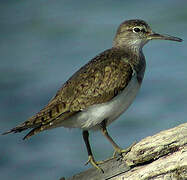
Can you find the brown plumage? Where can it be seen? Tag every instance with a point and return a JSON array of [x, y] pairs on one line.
[[94, 83], [101, 90]]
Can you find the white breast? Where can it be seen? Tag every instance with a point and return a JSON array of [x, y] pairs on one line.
[[95, 114]]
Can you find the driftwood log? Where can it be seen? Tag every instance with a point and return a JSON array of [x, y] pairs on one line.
[[159, 157]]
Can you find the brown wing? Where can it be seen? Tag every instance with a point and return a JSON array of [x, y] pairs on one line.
[[97, 82]]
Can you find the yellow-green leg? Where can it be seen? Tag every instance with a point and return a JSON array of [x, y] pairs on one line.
[[117, 149], [91, 159]]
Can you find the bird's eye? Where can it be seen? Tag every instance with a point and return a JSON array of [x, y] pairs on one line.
[[136, 29]]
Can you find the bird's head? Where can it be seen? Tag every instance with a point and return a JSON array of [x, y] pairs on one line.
[[136, 33]]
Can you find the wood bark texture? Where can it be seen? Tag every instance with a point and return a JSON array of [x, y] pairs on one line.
[[159, 157]]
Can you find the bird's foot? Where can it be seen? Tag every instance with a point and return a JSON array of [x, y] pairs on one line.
[[119, 151], [94, 163]]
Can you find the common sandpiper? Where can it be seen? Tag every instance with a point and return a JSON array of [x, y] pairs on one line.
[[100, 91]]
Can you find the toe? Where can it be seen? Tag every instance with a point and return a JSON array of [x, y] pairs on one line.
[[94, 163], [119, 151]]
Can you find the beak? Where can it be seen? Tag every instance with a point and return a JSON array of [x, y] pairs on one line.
[[163, 37]]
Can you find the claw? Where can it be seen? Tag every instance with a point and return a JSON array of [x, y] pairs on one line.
[[119, 151], [94, 163]]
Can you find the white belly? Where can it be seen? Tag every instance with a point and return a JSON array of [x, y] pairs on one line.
[[95, 114]]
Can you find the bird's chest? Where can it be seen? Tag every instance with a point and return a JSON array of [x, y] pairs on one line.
[[119, 104], [91, 117]]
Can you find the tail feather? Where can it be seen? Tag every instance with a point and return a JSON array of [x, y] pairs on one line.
[[14, 130], [38, 129], [19, 128], [40, 122], [32, 132], [35, 130]]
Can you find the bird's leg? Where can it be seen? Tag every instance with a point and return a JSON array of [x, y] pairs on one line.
[[117, 149], [91, 159]]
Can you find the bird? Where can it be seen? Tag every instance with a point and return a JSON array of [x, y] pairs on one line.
[[99, 92]]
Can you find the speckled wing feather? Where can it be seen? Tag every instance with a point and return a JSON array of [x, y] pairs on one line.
[[97, 82]]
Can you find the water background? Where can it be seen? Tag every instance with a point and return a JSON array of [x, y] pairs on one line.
[[42, 43]]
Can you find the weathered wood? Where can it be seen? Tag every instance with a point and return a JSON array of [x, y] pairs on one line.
[[162, 156]]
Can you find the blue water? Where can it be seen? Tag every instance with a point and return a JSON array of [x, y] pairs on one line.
[[43, 42]]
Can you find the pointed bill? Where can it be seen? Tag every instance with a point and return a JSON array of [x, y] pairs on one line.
[[163, 37]]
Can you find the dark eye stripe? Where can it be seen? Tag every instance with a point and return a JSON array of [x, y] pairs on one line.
[[143, 30]]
